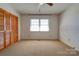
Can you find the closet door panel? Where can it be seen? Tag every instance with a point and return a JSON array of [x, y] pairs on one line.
[[12, 37], [16, 28], [7, 30], [12, 29], [15, 37], [1, 40], [7, 21], [7, 38], [1, 29], [1, 20]]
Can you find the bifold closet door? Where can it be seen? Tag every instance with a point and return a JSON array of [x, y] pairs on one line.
[[12, 29], [1, 40], [7, 28], [7, 38], [1, 29], [16, 28], [12, 37]]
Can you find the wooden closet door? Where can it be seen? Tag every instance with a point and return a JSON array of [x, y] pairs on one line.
[[12, 29], [14, 26], [1, 29], [1, 20], [16, 29], [12, 38], [7, 30], [1, 40], [7, 39]]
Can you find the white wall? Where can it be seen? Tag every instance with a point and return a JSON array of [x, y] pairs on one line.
[[53, 31], [8, 7], [69, 26]]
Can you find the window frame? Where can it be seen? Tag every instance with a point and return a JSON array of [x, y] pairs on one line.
[[39, 25]]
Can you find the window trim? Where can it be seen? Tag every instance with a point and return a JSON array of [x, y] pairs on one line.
[[40, 25]]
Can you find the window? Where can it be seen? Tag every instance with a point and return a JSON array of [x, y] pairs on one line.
[[34, 25], [39, 25], [44, 25]]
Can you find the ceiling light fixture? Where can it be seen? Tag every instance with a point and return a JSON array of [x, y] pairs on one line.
[[41, 4]]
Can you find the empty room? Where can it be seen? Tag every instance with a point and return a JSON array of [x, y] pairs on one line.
[[39, 29]]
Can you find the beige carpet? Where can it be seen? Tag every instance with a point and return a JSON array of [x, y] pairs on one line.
[[38, 48]]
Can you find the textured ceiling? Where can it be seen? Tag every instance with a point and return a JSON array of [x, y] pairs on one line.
[[33, 8]]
